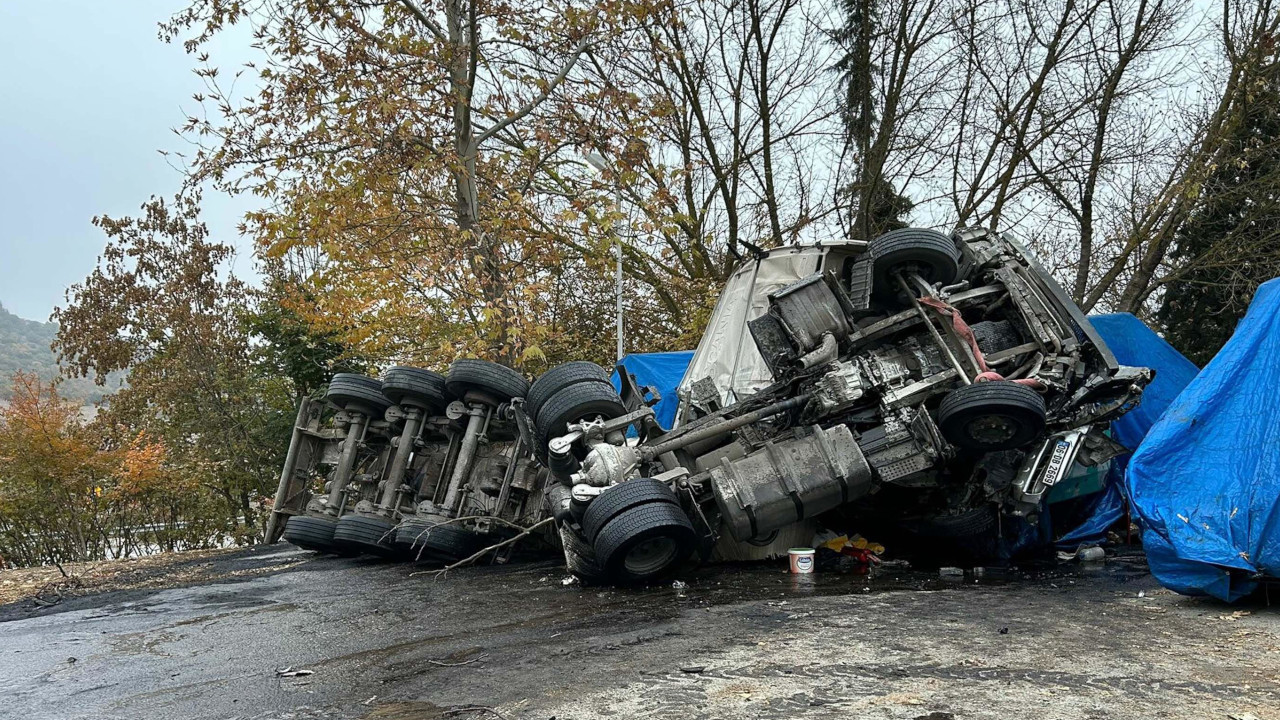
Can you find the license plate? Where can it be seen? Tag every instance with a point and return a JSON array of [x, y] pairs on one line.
[[1059, 458]]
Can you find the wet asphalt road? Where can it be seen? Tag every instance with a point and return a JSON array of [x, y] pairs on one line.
[[1099, 642]]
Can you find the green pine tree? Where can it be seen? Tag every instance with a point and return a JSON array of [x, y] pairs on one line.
[[1230, 243], [878, 206]]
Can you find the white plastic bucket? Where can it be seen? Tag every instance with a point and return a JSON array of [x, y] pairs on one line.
[[801, 560]]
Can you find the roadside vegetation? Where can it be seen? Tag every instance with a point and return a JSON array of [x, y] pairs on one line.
[[448, 179]]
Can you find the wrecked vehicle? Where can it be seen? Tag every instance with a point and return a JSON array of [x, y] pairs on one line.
[[923, 388], [417, 465], [927, 384]]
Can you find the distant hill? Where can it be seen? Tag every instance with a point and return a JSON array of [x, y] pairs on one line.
[[24, 345]]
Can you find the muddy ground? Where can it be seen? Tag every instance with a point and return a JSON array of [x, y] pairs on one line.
[[374, 641]]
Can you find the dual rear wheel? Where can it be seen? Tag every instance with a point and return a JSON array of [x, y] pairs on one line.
[[636, 531]]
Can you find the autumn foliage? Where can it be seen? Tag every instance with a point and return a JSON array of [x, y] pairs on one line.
[[424, 176], [76, 490]]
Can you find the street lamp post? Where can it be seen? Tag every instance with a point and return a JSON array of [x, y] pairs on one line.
[[598, 161]]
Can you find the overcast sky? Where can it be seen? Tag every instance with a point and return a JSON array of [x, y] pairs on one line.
[[88, 95]]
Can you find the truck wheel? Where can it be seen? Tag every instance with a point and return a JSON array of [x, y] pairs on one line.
[[969, 524], [357, 393], [434, 542], [573, 403], [995, 336], [311, 533], [931, 254], [579, 557], [559, 378], [969, 537], [366, 534], [644, 543], [620, 498], [415, 386], [499, 381], [995, 415]]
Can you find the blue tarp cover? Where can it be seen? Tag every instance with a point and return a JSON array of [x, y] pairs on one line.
[[1205, 484], [1133, 343], [662, 371]]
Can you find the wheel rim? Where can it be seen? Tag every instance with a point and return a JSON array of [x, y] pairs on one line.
[[992, 429], [651, 556]]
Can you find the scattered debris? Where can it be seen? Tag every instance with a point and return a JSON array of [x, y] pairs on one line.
[[481, 658], [1091, 554], [468, 709], [842, 553], [53, 593]]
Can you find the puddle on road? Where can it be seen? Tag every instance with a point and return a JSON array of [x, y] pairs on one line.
[[738, 582]]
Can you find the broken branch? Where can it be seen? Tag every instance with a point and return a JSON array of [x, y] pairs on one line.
[[481, 553]]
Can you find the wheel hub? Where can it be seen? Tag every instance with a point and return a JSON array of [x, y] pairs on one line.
[[651, 556], [992, 429]]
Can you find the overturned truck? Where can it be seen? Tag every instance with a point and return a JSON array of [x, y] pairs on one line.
[[417, 465], [923, 386]]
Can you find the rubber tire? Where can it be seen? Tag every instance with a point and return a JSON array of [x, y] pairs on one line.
[[311, 533], [635, 526], [994, 336], [934, 254], [572, 404], [967, 538], [415, 386], [359, 392], [620, 498], [560, 377], [579, 557], [367, 534], [973, 523], [431, 541], [489, 377], [1005, 398]]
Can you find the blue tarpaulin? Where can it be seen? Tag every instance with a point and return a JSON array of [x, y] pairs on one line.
[[1133, 343], [661, 371], [1205, 484]]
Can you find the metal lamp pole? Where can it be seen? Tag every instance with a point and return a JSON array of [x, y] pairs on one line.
[[598, 161]]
